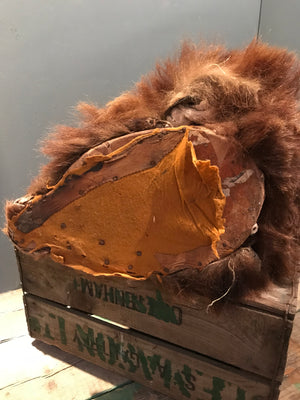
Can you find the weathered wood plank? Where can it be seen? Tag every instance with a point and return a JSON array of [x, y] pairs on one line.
[[241, 336], [131, 391], [12, 317], [290, 388], [13, 324], [277, 300], [34, 370], [154, 363], [291, 393], [11, 301]]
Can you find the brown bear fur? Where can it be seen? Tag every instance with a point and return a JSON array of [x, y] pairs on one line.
[[249, 95]]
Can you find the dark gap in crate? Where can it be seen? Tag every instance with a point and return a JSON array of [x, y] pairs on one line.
[[97, 317]]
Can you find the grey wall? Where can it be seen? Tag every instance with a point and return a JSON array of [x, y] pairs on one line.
[[55, 53], [280, 23]]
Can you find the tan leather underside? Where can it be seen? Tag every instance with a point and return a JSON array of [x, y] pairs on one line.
[[121, 227]]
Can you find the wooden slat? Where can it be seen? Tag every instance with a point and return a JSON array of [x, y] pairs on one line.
[[11, 301], [290, 388], [277, 300], [240, 336], [13, 324], [154, 363], [131, 391], [34, 370], [12, 317]]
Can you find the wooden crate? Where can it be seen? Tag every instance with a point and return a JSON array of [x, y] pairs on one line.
[[168, 343]]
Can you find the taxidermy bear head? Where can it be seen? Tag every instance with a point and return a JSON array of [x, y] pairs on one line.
[[248, 98]]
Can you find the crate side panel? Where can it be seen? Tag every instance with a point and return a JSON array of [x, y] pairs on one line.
[[169, 369], [239, 336]]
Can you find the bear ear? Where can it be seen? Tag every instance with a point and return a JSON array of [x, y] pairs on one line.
[[275, 68]]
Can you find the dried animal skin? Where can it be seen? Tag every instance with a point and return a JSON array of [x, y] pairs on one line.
[[249, 98]]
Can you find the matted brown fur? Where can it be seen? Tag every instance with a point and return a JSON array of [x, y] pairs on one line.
[[250, 95]]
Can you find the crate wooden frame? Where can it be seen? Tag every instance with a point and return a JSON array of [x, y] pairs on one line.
[[165, 342]]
